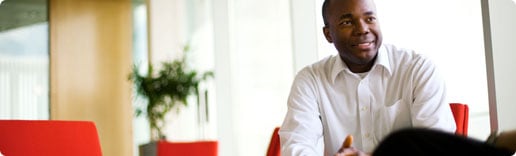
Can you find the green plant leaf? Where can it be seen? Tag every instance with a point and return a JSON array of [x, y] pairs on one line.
[[173, 84]]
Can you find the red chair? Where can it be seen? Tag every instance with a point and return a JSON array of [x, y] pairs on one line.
[[197, 148], [461, 114], [49, 137], [274, 146]]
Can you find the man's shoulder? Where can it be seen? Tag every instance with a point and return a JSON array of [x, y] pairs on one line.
[[394, 50], [399, 54], [327, 61], [320, 68], [402, 59]]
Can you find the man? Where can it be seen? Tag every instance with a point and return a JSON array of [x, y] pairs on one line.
[[367, 91]]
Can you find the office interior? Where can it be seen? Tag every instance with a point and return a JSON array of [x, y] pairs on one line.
[[70, 60]]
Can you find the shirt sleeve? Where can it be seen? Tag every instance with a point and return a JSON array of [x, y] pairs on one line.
[[430, 107], [302, 127]]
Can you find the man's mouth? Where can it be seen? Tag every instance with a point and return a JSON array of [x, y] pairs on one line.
[[364, 45]]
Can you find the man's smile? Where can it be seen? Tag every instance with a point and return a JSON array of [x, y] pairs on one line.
[[364, 45]]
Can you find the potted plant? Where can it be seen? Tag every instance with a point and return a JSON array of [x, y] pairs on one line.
[[165, 89]]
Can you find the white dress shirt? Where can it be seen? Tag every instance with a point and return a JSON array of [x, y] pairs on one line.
[[402, 89]]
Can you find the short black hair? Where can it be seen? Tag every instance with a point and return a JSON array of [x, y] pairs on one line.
[[325, 6]]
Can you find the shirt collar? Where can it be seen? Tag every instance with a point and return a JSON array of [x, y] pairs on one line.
[[382, 60]]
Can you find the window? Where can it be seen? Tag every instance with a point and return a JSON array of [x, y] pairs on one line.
[[24, 60], [141, 132], [261, 70]]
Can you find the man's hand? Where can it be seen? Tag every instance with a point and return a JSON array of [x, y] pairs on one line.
[[347, 142], [347, 150]]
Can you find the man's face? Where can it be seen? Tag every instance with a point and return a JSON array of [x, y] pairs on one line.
[[354, 30]]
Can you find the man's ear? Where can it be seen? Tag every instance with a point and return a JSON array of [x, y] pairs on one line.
[[326, 32]]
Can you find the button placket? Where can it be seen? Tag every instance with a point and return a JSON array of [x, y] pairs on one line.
[[364, 101]]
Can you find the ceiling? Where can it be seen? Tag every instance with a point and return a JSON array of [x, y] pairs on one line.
[[18, 13]]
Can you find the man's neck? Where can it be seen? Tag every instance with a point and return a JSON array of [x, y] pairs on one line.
[[361, 68]]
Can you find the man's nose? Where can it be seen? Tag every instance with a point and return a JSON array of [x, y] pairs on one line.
[[361, 28]]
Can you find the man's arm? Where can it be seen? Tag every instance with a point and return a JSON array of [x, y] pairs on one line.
[[430, 108], [301, 127]]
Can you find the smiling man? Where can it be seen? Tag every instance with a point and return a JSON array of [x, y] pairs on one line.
[[367, 91], [355, 32]]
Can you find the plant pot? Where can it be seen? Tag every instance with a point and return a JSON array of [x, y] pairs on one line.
[[149, 149]]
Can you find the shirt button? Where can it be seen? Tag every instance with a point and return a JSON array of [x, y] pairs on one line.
[[367, 135], [365, 108]]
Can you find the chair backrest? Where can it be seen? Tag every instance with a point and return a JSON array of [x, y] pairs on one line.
[[196, 148], [274, 146], [49, 137], [461, 114]]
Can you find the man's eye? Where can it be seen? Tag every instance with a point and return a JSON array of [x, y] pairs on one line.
[[371, 19], [345, 23]]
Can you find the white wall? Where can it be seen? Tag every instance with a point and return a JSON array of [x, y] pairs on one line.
[[223, 79], [254, 67], [304, 33], [261, 70], [500, 34]]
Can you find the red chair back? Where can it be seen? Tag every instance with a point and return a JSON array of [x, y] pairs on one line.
[[197, 148], [274, 146], [461, 115], [49, 137]]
